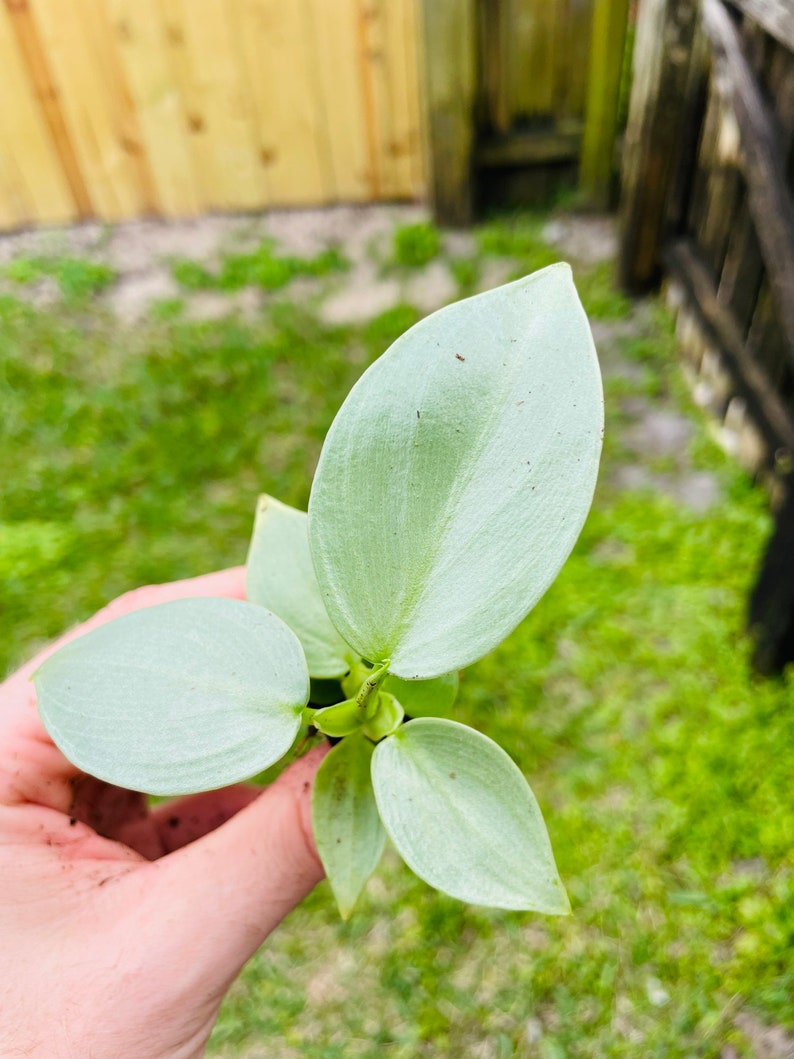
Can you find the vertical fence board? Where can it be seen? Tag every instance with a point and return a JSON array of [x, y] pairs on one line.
[[610, 19], [335, 35], [573, 53], [529, 39], [416, 100], [143, 50], [221, 116], [283, 77], [91, 107], [403, 143], [450, 85], [34, 187], [653, 146]]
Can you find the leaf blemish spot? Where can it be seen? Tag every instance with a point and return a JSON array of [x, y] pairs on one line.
[[453, 775]]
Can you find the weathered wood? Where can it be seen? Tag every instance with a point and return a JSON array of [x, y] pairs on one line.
[[724, 190], [775, 16], [559, 144], [762, 159], [742, 269], [653, 145], [597, 166], [766, 407], [692, 110], [450, 61], [771, 613]]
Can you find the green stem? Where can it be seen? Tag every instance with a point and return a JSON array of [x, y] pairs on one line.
[[368, 693]]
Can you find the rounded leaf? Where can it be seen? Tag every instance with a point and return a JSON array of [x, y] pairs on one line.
[[347, 829], [181, 697], [457, 475], [463, 818], [280, 577]]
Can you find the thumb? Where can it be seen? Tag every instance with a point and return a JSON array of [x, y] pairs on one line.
[[221, 896]]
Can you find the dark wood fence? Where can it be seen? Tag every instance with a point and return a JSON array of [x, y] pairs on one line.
[[518, 92], [708, 173]]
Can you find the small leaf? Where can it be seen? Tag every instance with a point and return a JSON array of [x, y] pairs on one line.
[[424, 698], [180, 697], [388, 718], [336, 721], [457, 475], [347, 828], [463, 818], [280, 577]]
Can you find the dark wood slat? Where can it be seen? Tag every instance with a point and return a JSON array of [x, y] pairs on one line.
[[450, 67], [560, 144], [775, 16], [765, 406], [654, 146], [762, 160]]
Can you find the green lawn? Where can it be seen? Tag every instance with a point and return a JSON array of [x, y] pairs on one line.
[[663, 766]]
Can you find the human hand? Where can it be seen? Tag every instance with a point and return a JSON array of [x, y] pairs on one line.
[[121, 926]]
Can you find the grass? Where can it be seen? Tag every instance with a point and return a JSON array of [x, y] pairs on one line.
[[77, 278], [263, 267], [661, 763]]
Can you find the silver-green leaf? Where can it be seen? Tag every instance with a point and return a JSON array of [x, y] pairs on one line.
[[185, 696], [457, 475], [463, 818], [280, 577], [345, 821]]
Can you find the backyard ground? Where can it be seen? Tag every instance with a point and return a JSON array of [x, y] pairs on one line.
[[155, 378]]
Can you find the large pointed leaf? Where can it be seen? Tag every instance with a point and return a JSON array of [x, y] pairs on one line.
[[457, 476], [463, 818], [280, 577], [345, 821], [181, 697]]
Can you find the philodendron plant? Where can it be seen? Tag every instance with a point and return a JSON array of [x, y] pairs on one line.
[[451, 488]]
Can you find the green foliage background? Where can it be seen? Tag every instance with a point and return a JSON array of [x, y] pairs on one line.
[[663, 766]]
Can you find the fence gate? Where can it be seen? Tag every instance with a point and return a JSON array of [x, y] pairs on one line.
[[707, 199]]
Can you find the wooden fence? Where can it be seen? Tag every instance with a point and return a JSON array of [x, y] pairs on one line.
[[123, 108], [520, 86], [119, 108], [707, 199]]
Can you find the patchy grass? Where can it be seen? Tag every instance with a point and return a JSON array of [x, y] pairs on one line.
[[415, 245], [661, 763], [263, 267], [77, 278]]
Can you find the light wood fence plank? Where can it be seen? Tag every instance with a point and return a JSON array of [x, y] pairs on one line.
[[277, 57], [35, 189], [217, 98], [335, 42], [404, 141], [143, 50], [95, 112]]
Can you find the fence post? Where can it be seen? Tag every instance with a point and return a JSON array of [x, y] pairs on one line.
[[668, 79], [610, 19], [449, 49]]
